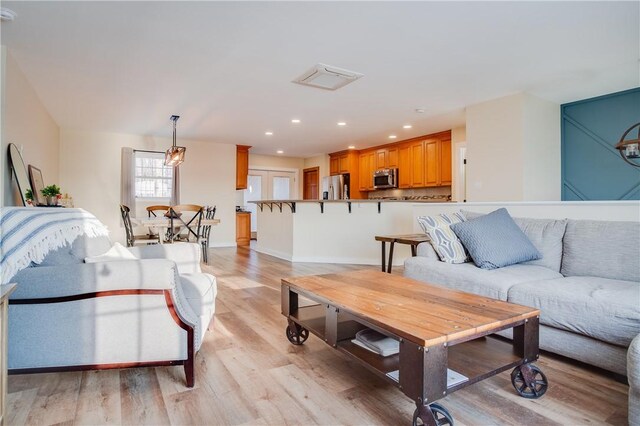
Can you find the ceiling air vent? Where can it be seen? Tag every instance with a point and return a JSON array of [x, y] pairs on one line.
[[327, 77]]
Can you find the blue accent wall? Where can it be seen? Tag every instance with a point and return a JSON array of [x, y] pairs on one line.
[[592, 168]]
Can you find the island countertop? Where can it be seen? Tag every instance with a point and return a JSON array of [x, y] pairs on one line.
[[355, 200]]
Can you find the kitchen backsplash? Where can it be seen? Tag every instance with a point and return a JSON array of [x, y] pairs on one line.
[[411, 193]]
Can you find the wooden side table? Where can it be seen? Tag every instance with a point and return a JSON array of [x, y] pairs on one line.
[[411, 239], [5, 291]]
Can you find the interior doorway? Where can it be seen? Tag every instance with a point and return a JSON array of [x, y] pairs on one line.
[[268, 185], [311, 183]]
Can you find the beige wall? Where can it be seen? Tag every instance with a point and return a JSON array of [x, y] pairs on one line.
[[271, 162], [513, 151], [90, 172], [458, 135], [26, 123], [321, 161]]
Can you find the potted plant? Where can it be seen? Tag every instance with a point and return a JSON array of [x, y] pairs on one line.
[[28, 196], [51, 193]]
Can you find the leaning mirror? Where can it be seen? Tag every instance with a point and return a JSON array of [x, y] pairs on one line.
[[19, 172]]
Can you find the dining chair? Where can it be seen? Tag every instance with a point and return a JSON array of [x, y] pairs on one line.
[[161, 210], [192, 225], [209, 213], [128, 228]]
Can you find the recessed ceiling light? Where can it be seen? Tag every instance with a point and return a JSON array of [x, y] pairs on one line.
[[392, 136], [351, 147], [421, 110], [341, 123], [268, 133], [7, 14], [295, 120], [280, 151], [407, 126]]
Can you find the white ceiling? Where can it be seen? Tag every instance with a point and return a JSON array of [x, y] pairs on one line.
[[226, 68]]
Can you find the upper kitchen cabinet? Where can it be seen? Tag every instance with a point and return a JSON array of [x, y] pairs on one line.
[[347, 162], [381, 159], [392, 158], [242, 166], [411, 165], [438, 162], [445, 162], [367, 162], [342, 162], [334, 165]]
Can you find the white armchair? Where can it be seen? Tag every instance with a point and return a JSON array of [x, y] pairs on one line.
[[76, 316]]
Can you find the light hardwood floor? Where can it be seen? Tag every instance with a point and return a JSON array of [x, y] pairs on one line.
[[248, 373]]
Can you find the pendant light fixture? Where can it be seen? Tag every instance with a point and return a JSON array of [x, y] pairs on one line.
[[175, 154]]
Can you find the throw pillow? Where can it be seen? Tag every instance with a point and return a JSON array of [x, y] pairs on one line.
[[117, 252], [545, 234], [443, 239], [494, 240]]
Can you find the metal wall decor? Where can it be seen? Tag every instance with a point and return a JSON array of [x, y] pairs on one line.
[[630, 148]]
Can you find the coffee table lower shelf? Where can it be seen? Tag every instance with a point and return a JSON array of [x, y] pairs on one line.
[[421, 372]]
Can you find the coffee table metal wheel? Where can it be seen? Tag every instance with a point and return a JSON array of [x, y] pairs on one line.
[[441, 416], [529, 381], [297, 334]]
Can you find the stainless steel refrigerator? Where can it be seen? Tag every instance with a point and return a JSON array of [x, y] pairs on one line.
[[336, 187]]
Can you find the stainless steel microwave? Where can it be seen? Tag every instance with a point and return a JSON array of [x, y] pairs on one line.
[[385, 178]]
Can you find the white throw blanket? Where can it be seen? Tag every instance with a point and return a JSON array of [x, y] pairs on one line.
[[28, 234]]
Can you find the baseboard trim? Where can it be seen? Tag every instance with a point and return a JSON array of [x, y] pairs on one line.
[[275, 253]]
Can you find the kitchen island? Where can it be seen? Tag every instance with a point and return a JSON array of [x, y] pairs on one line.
[[332, 231]]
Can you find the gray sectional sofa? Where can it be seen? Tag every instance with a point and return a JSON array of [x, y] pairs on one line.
[[587, 286]]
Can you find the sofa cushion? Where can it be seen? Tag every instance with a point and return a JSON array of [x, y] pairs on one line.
[[495, 241], [604, 249], [442, 238], [82, 247], [545, 234], [608, 310], [468, 277]]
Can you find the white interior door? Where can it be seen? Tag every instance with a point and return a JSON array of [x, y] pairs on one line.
[[268, 185]]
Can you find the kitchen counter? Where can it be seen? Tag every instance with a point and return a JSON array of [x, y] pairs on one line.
[[382, 200]]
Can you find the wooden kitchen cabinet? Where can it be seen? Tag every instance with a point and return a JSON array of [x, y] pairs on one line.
[[404, 166], [243, 228], [334, 165], [438, 162], [445, 162], [242, 166], [417, 164], [392, 158], [432, 162], [367, 162], [381, 159], [347, 162]]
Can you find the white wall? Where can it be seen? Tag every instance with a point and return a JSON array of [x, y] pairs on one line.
[[458, 136], [90, 172], [513, 150], [494, 150], [26, 123], [541, 154]]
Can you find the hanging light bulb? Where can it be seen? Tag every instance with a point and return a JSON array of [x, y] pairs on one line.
[[174, 155]]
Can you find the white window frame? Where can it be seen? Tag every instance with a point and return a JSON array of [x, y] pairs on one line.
[[157, 155]]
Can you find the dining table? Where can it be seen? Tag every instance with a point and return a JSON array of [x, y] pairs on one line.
[[162, 224]]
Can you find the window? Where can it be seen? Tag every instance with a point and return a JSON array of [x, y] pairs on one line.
[[152, 177]]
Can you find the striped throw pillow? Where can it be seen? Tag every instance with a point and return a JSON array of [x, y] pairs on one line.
[[443, 239]]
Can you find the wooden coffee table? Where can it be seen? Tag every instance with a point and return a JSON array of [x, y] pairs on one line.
[[438, 330]]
